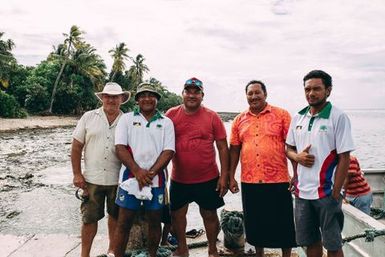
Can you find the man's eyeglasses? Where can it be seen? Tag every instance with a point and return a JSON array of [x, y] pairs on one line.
[[194, 82]]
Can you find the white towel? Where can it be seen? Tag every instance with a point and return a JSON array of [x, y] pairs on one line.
[[131, 185]]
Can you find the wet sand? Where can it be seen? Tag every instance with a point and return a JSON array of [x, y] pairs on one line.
[[34, 122], [38, 204]]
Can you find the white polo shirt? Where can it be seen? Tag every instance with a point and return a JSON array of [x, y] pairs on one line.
[[101, 165], [147, 140], [329, 134]]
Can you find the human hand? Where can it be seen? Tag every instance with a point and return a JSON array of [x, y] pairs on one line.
[[336, 195], [291, 187], [144, 177], [79, 181], [233, 186], [305, 158], [222, 186]]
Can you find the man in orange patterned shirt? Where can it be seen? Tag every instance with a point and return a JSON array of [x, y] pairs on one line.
[[258, 135]]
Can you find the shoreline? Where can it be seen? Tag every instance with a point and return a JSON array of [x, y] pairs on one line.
[[37, 122], [49, 122]]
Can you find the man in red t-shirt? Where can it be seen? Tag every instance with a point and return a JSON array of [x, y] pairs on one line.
[[195, 175]]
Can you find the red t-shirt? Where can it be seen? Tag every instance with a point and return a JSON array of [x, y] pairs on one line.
[[357, 183], [194, 159]]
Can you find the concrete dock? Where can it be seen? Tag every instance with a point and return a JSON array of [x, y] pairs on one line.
[[60, 245]]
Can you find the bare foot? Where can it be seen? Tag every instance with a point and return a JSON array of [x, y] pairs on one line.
[[178, 254]]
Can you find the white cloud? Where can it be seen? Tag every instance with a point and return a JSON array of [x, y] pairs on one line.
[[225, 43]]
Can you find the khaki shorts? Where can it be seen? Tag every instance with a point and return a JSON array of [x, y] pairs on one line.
[[93, 209]]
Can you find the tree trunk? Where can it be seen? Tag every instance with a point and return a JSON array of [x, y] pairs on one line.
[[55, 86], [113, 76]]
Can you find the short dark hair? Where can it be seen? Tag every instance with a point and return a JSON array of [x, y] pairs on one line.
[[319, 74], [256, 82]]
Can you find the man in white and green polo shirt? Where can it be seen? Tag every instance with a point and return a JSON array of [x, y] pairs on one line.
[[145, 143], [319, 142]]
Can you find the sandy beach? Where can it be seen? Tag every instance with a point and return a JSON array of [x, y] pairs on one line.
[[32, 122]]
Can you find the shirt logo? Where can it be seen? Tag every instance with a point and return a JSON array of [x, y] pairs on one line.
[[299, 127], [136, 124], [158, 125], [160, 199], [323, 128]]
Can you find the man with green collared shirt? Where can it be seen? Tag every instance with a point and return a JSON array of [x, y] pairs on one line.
[[145, 143], [319, 143]]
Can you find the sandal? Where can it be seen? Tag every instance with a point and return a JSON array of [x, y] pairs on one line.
[[193, 233]]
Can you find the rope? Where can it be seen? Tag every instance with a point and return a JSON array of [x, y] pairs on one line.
[[189, 246], [377, 213], [164, 251], [369, 235], [232, 226]]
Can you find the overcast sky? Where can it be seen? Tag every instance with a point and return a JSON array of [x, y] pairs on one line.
[[224, 43]]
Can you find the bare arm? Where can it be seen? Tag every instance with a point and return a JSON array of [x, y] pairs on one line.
[[341, 173], [304, 157], [162, 161], [223, 152], [76, 157], [235, 151], [292, 150]]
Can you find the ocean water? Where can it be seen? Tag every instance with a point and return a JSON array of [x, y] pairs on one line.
[[36, 192], [368, 127]]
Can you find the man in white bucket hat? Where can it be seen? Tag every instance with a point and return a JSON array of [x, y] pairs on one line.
[[95, 133]]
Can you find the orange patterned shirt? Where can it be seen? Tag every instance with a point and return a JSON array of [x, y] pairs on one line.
[[262, 140]]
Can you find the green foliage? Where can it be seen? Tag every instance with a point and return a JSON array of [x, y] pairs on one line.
[[81, 59], [44, 74], [66, 81], [9, 107], [122, 79], [37, 85], [7, 60], [168, 98], [67, 100], [129, 106], [88, 101], [119, 55], [37, 99], [137, 71], [18, 85]]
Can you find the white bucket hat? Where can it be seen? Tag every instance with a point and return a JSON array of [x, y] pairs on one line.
[[112, 88]]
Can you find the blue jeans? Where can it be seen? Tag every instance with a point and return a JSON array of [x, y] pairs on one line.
[[362, 202]]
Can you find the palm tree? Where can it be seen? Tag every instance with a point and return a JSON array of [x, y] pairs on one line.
[[6, 60], [119, 54], [87, 63], [137, 71], [72, 40]]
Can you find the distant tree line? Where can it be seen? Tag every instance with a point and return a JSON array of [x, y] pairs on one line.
[[65, 82]]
